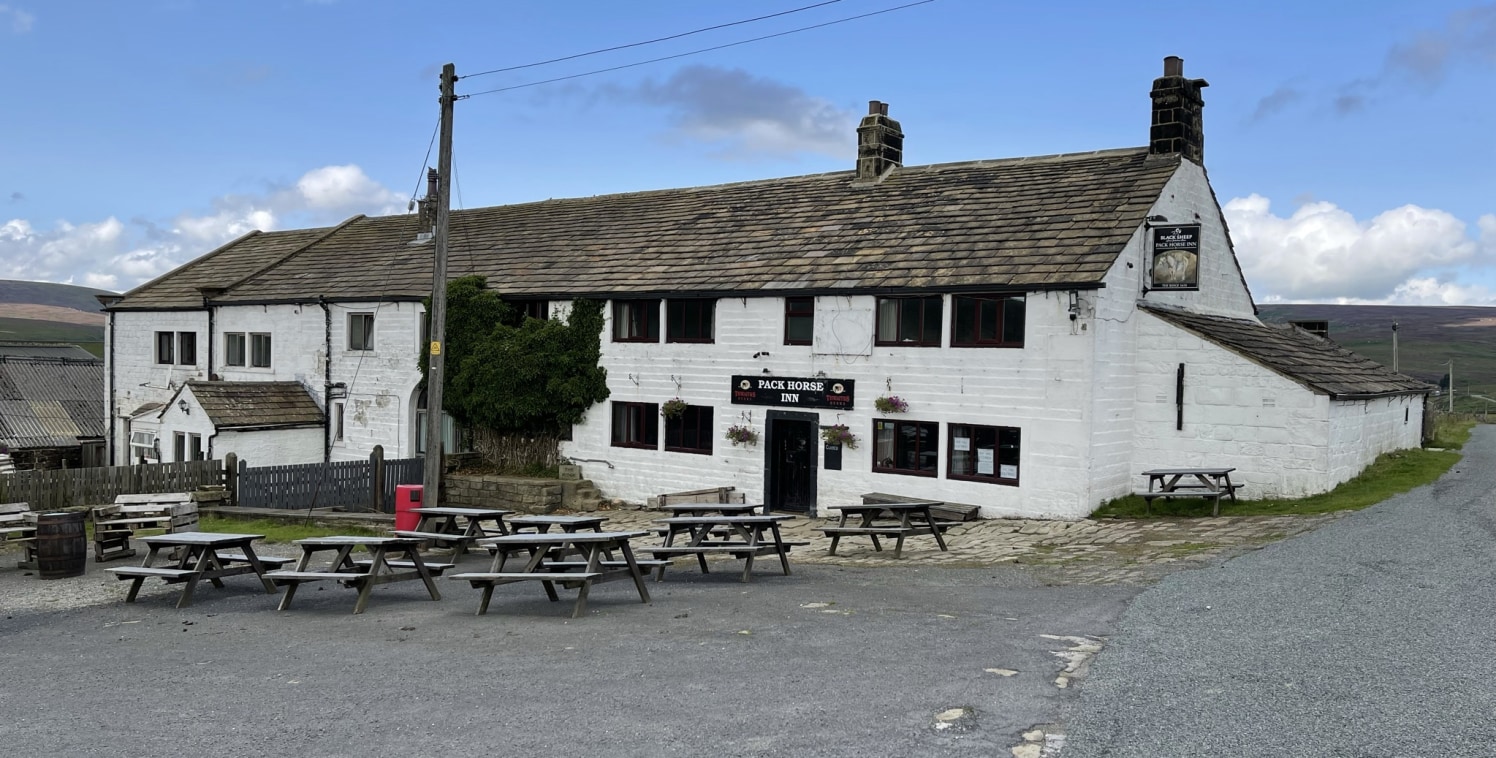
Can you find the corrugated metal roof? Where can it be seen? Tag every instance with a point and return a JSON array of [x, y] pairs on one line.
[[50, 402], [44, 350]]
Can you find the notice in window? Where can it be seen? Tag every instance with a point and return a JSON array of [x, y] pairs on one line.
[[1007, 472], [984, 461], [963, 444]]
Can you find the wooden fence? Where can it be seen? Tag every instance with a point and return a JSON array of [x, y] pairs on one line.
[[51, 490], [342, 484]]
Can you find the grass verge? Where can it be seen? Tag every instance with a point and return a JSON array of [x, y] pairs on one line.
[[281, 531], [1390, 474]]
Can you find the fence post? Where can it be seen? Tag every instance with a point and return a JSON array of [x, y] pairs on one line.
[[376, 458], [231, 477]]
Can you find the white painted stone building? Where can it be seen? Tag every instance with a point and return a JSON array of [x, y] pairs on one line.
[[1036, 315]]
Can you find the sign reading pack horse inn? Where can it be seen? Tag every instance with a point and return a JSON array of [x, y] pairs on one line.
[[1176, 257], [793, 392]]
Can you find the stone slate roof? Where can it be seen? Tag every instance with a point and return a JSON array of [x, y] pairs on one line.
[[233, 405], [219, 268], [1312, 361], [50, 402], [1024, 223]]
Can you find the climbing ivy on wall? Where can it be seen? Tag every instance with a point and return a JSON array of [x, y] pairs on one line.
[[516, 375]]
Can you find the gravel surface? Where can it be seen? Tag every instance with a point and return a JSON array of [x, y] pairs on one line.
[[1368, 637]]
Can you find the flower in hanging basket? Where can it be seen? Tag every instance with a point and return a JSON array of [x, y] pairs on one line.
[[839, 434], [891, 404], [742, 435], [673, 408]]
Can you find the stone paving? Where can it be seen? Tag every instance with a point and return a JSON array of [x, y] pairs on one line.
[[1101, 551]]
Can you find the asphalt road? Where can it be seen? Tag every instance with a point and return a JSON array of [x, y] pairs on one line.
[[1372, 636], [828, 662]]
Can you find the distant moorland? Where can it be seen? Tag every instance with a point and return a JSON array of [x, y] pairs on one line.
[[46, 312], [1428, 337]]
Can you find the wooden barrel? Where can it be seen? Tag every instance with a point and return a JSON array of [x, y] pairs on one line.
[[61, 545]]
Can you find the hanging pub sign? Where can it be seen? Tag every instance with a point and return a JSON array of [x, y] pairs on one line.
[[1176, 257], [793, 392]]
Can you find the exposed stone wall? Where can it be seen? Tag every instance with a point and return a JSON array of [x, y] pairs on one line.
[[514, 493]]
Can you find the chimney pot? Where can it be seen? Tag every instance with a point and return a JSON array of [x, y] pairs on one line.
[[874, 108], [1173, 66]]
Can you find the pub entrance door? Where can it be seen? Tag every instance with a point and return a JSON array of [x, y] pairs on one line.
[[790, 461]]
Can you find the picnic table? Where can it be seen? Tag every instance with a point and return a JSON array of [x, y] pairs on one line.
[[897, 520], [438, 525], [595, 565], [378, 568], [724, 509], [1209, 483], [744, 537], [201, 555]]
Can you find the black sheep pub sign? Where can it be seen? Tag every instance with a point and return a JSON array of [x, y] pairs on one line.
[[1176, 257], [794, 392]]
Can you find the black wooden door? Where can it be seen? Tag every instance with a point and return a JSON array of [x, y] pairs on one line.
[[791, 465]]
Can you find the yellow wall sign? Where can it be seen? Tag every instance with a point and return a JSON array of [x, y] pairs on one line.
[[436, 348]]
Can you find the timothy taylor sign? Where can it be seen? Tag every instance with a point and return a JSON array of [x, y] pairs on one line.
[[790, 391]]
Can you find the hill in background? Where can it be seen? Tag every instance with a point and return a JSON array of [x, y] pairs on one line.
[[1428, 337], [47, 312]]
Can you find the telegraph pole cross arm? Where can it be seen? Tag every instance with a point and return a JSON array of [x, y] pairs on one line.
[[432, 472]]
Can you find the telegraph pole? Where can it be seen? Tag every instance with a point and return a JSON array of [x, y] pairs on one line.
[[431, 493]]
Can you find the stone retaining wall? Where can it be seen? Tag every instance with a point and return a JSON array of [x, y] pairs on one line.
[[514, 493]]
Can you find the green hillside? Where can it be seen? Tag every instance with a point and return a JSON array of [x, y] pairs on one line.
[[48, 293], [1428, 337]]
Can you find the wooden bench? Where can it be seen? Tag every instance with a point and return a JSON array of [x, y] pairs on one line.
[[131, 515], [435, 569], [268, 561], [18, 525], [1191, 491]]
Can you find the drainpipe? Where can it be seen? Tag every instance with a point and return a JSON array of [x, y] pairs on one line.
[[326, 379], [109, 402]]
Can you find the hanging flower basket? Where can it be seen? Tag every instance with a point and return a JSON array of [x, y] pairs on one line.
[[891, 404], [742, 435], [673, 408], [839, 434]]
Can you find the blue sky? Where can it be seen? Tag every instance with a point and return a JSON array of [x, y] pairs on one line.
[[1350, 142]]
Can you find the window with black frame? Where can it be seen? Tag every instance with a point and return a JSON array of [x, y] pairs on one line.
[[906, 447], [690, 320], [987, 320], [166, 343], [909, 321], [636, 425], [691, 431], [984, 453], [799, 320], [636, 320]]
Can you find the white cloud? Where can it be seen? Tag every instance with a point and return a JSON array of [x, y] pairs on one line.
[[1323, 253], [20, 21], [113, 255]]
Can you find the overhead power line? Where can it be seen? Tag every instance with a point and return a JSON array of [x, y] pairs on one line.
[[695, 52], [651, 41]]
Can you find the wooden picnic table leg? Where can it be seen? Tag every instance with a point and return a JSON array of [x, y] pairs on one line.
[[752, 550], [414, 554], [638, 577], [867, 522], [935, 530], [784, 552], [135, 583], [483, 602], [594, 553], [835, 538], [259, 568], [366, 581], [699, 535], [204, 561], [670, 532], [291, 587], [537, 560]]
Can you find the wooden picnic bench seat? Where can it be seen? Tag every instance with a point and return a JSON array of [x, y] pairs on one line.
[[169, 574], [1198, 491], [297, 577], [130, 515], [640, 562], [268, 561], [435, 569], [18, 525]]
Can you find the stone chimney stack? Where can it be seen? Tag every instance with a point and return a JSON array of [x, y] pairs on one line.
[[880, 143], [426, 217], [1177, 108]]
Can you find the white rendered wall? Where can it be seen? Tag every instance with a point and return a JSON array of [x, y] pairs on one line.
[[175, 419], [1361, 430], [1111, 313], [1274, 431], [137, 379], [271, 447], [1043, 388], [381, 383]]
